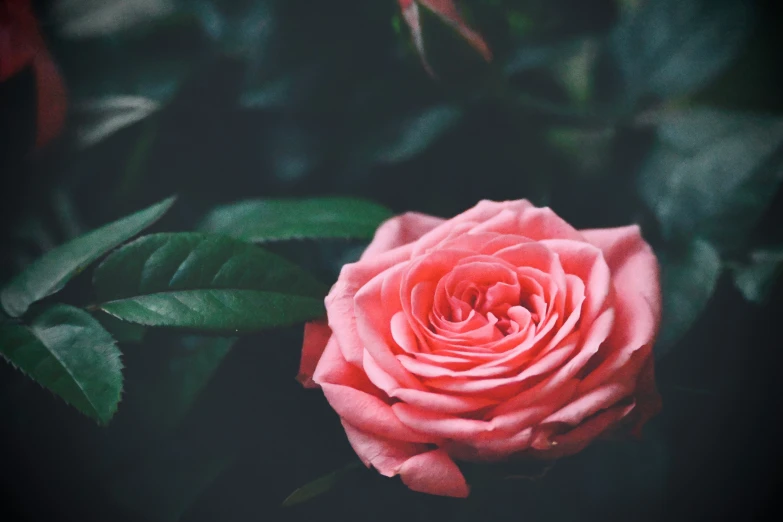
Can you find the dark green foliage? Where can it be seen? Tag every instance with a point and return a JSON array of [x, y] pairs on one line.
[[67, 351], [51, 272]]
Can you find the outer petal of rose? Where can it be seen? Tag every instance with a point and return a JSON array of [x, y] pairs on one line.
[[480, 213], [632, 263], [339, 302], [333, 368], [316, 335], [356, 400], [493, 449], [637, 301], [440, 424], [371, 414], [601, 398], [434, 472], [580, 437], [385, 455], [400, 230]]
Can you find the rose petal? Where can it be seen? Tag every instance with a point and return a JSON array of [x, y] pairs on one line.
[[316, 335], [440, 402], [464, 222], [587, 263], [440, 424], [594, 338], [400, 230], [340, 301], [373, 325], [370, 414], [580, 437], [435, 473], [598, 399], [631, 261], [385, 455]]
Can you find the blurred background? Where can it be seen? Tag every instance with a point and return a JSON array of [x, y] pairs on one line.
[[665, 113]]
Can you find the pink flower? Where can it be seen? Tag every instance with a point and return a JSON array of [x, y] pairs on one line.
[[503, 332]]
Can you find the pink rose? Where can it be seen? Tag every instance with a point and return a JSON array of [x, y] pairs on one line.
[[501, 332]]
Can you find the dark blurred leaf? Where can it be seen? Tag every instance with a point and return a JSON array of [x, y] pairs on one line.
[[271, 220], [673, 47], [88, 18], [756, 278], [713, 173], [575, 71], [190, 369], [50, 273], [688, 281], [205, 282], [529, 57], [103, 117], [242, 28], [223, 311], [193, 261], [114, 83], [589, 150], [291, 88], [319, 486], [411, 136], [168, 480], [67, 351]]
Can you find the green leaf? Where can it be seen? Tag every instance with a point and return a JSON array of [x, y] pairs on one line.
[[227, 311], [52, 271], [67, 351], [319, 486], [194, 261], [713, 173], [688, 278], [756, 278], [271, 220], [205, 282], [673, 47]]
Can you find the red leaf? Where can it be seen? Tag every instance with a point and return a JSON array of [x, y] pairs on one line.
[[21, 46], [446, 11]]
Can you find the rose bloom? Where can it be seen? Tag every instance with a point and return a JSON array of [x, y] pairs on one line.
[[503, 332]]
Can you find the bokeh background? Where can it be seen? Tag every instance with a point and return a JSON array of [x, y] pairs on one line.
[[223, 100]]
